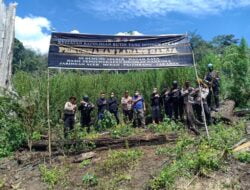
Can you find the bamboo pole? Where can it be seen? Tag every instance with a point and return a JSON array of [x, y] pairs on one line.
[[48, 114], [202, 107]]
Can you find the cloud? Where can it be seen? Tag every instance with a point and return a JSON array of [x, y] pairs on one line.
[[34, 32], [132, 33], [75, 32], [148, 8]]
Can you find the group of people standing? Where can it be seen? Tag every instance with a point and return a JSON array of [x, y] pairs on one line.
[[133, 109], [183, 104]]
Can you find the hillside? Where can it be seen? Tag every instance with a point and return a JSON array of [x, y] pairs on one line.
[[163, 156]]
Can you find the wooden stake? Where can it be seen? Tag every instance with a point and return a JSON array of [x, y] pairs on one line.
[[202, 107], [48, 115]]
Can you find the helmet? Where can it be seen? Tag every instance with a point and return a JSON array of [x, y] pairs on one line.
[[175, 82], [85, 98], [210, 65], [187, 83]]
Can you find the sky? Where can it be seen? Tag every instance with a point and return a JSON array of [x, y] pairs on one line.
[[36, 19]]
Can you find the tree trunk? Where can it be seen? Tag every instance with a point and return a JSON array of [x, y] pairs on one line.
[[7, 26], [104, 143]]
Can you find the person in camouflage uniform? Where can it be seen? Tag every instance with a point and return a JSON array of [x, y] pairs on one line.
[[212, 80]]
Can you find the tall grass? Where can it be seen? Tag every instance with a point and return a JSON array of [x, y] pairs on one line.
[[76, 83]]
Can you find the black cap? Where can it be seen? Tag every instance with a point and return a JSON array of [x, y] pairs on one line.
[[85, 98]]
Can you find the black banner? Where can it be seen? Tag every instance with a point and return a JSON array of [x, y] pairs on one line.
[[106, 52]]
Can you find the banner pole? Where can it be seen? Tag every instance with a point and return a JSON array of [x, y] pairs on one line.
[[48, 114], [202, 106]]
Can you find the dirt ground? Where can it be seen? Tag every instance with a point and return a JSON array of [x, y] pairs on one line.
[[234, 177], [21, 172]]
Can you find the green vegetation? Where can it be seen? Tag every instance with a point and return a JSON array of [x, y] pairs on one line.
[[114, 170], [51, 176], [27, 60], [2, 182], [166, 126], [80, 133], [231, 59], [85, 163], [120, 161], [229, 56], [65, 84], [243, 157], [107, 122], [192, 156], [236, 68], [122, 131], [12, 133], [89, 180]]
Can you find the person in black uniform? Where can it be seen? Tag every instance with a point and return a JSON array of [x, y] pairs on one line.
[[155, 105], [86, 108], [175, 94], [166, 100], [212, 80], [102, 106], [113, 106]]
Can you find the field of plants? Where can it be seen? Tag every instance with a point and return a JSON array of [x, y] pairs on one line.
[[185, 162]]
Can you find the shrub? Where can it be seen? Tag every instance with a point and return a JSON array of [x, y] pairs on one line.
[[208, 159], [122, 131], [120, 161], [36, 136], [192, 156], [236, 64], [223, 137], [166, 178], [89, 180], [51, 176], [85, 163], [243, 157], [107, 122], [12, 133], [167, 125]]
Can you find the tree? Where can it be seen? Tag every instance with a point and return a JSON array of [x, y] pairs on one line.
[[18, 57], [236, 69], [220, 42], [26, 59], [199, 46], [203, 52]]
